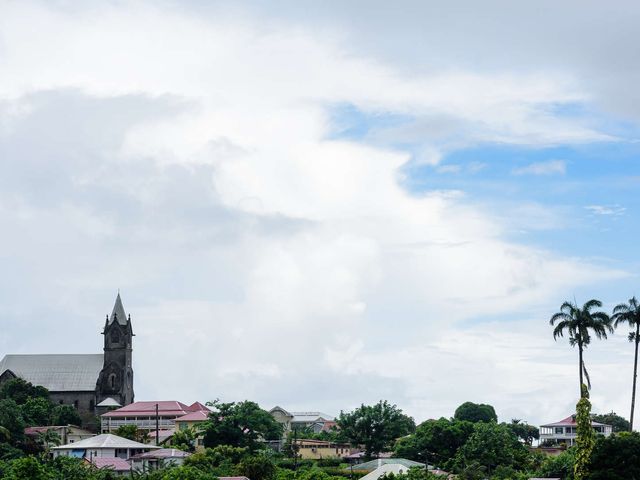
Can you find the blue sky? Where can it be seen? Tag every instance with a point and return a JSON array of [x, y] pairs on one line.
[[402, 196]]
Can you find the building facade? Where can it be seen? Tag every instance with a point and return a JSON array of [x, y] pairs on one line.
[[564, 432], [83, 380]]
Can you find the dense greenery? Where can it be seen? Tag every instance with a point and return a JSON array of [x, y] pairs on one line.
[[619, 424], [242, 424], [375, 427], [616, 458], [475, 412]]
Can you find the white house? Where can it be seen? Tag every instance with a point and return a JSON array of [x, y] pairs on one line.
[[102, 446], [565, 431]]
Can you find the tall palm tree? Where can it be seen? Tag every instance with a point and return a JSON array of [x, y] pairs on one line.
[[578, 322], [630, 313]]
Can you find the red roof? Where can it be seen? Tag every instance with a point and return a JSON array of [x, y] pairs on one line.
[[570, 421], [113, 463], [166, 408], [197, 406], [198, 416]]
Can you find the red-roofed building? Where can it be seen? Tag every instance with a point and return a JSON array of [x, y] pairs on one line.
[[193, 420], [117, 465], [143, 415], [565, 431]]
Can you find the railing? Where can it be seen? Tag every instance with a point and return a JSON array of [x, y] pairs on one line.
[[142, 424]]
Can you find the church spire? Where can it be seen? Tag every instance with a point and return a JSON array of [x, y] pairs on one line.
[[118, 312]]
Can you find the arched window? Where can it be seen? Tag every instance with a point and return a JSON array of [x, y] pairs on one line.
[[112, 381]]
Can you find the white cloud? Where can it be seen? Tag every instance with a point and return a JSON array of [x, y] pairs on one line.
[[550, 167], [607, 210], [185, 159]]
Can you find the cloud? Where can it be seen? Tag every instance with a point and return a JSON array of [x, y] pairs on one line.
[[550, 167], [190, 163], [607, 210]]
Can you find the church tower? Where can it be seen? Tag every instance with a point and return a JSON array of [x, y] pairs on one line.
[[116, 378]]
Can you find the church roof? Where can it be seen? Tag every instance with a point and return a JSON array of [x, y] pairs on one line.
[[118, 312], [57, 373]]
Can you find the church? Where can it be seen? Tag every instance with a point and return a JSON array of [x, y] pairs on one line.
[[88, 382]]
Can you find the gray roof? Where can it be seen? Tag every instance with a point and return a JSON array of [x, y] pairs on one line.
[[106, 440], [118, 312], [57, 373], [310, 416], [373, 464]]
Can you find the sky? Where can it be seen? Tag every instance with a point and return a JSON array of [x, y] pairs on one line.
[[322, 204]]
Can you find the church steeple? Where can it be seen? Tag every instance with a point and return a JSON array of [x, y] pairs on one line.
[[116, 377]]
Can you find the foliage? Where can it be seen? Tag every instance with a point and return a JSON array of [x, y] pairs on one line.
[[630, 314], [11, 419], [525, 432], [257, 467], [376, 427], [27, 468], [241, 424], [65, 415], [20, 391], [435, 441], [586, 436], [36, 411], [475, 412], [185, 439], [616, 457], [577, 322], [491, 445], [619, 424], [220, 460], [558, 466], [127, 431]]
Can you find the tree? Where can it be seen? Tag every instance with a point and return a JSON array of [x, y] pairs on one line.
[[491, 445], [616, 457], [435, 442], [578, 322], [257, 467], [242, 424], [558, 466], [19, 391], [49, 438], [525, 432], [127, 431], [65, 415], [475, 412], [586, 436], [375, 427], [185, 439], [619, 424], [36, 411], [11, 419], [630, 314]]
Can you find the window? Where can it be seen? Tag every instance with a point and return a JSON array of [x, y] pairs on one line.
[[75, 404], [559, 430], [115, 336], [112, 381]]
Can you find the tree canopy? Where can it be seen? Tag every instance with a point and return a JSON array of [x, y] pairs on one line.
[[616, 457], [376, 427], [475, 412], [619, 424]]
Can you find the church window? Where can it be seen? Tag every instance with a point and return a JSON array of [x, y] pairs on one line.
[[115, 337], [75, 404], [112, 380], [91, 405]]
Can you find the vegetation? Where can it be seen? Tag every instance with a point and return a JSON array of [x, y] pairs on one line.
[[475, 412], [630, 313], [586, 436], [375, 427], [578, 322], [619, 424]]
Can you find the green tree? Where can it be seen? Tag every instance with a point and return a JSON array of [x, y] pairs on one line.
[[435, 442], [127, 431], [619, 424], [578, 322], [65, 415], [491, 445], [185, 439], [475, 412], [49, 438], [525, 432], [19, 391], [27, 468], [558, 466], [257, 467], [376, 427], [11, 419], [616, 457], [36, 411], [585, 436], [242, 424], [629, 313]]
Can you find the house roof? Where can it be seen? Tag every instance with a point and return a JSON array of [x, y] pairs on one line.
[[198, 416], [72, 429], [106, 440], [310, 416], [570, 421], [374, 464], [395, 468], [58, 372], [111, 463], [195, 406], [166, 408], [108, 402], [162, 453]]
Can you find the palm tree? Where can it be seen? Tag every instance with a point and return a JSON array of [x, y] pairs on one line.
[[577, 322], [630, 313]]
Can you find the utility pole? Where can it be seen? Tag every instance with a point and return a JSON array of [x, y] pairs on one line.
[[157, 427]]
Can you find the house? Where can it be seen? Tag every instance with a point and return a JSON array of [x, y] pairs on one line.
[[148, 415], [565, 431], [102, 446], [83, 380], [318, 449], [156, 459], [117, 465], [67, 433], [315, 421], [372, 465], [193, 421]]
